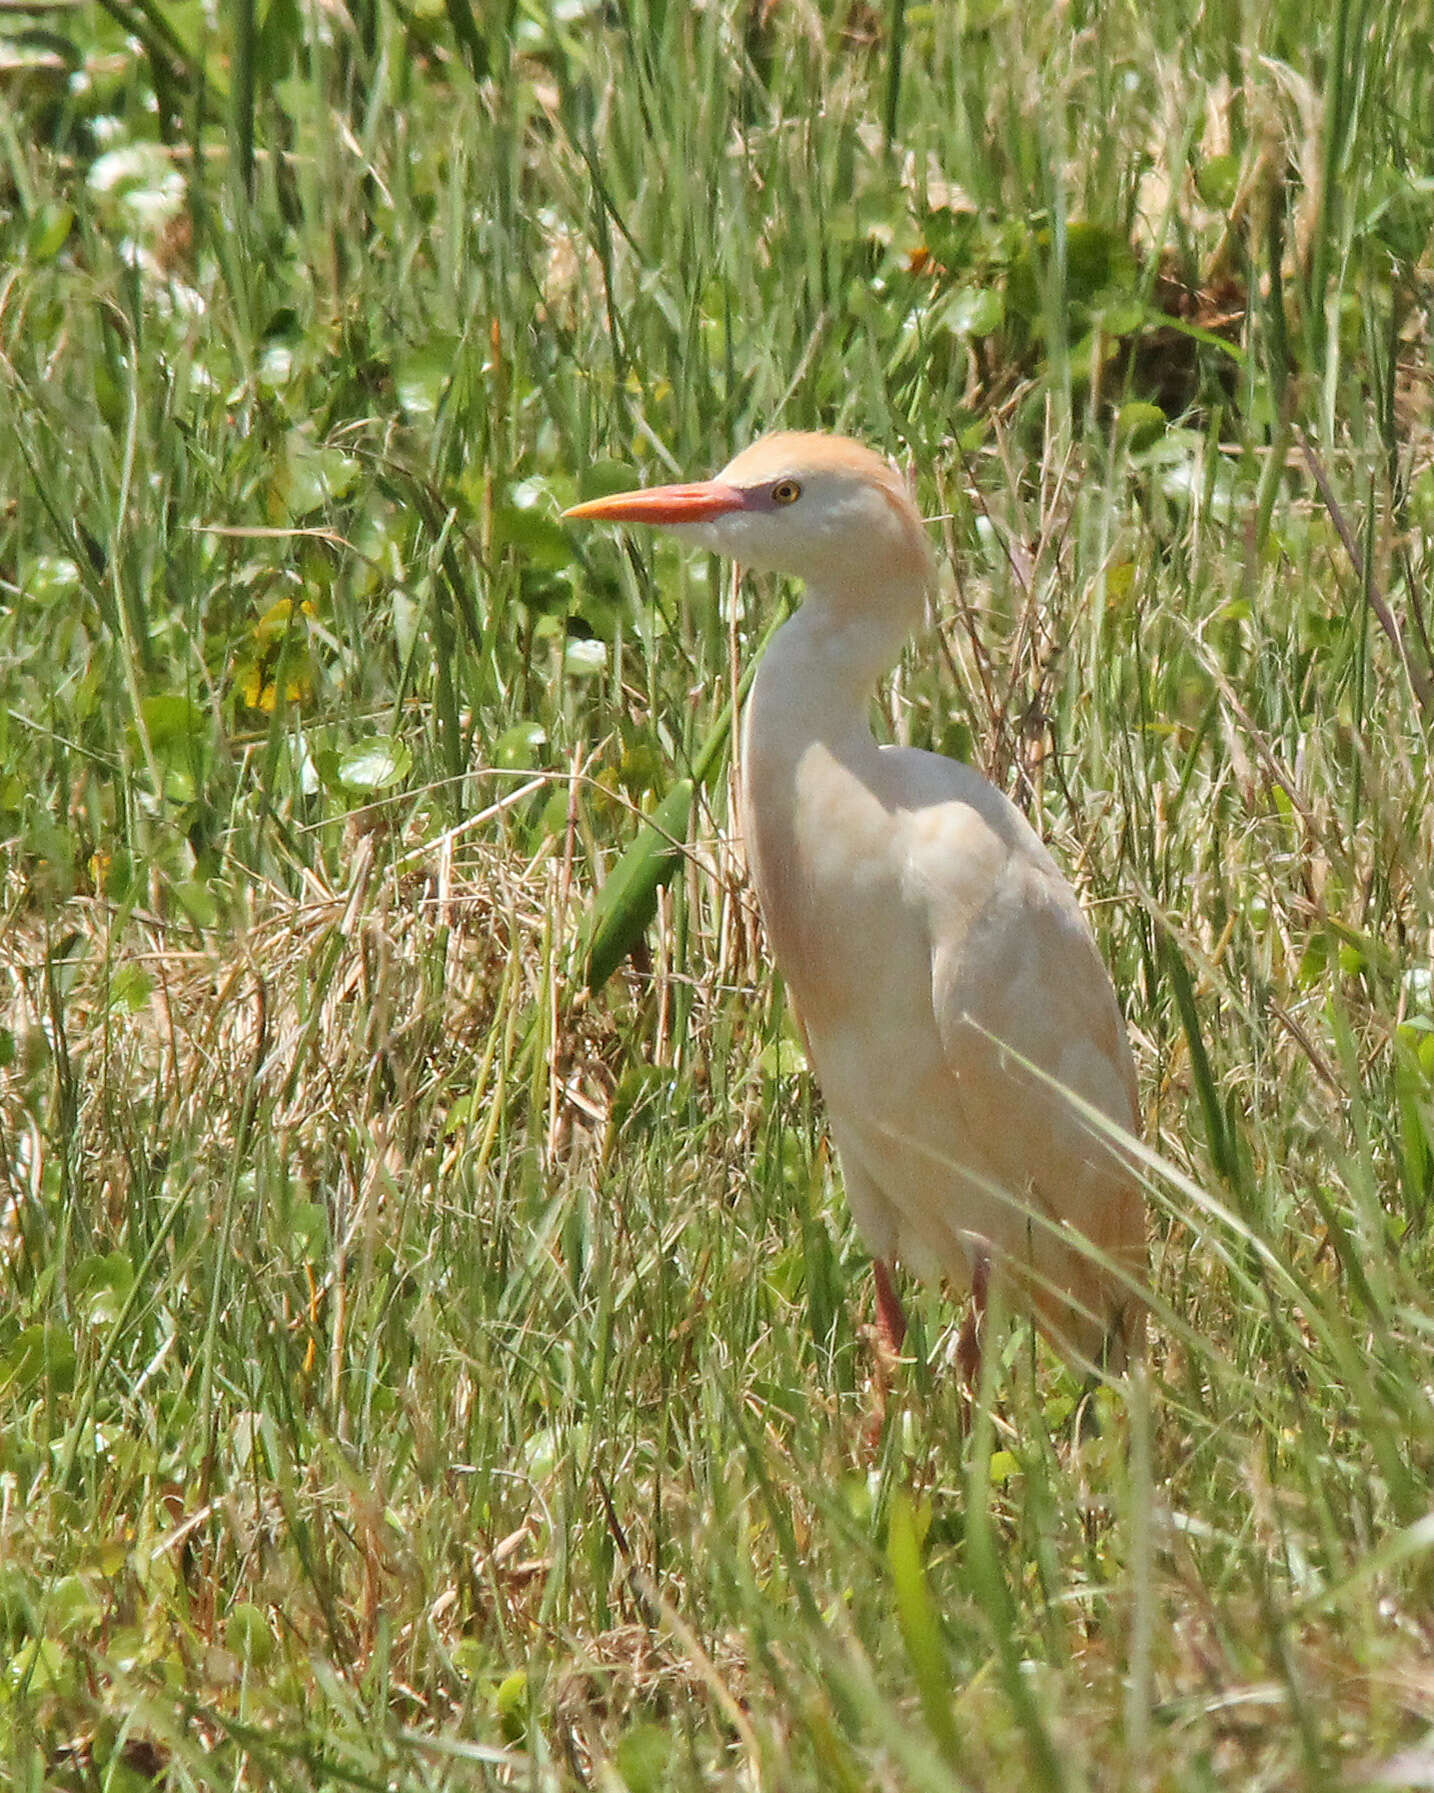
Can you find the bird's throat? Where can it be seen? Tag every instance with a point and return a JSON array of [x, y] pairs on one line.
[[821, 669]]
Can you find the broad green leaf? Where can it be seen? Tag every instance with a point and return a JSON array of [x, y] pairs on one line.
[[247, 1634], [375, 764], [975, 311], [643, 1756], [422, 377], [537, 536], [582, 658], [49, 230], [1140, 423], [516, 749], [39, 1353], [627, 901], [50, 577], [171, 717], [1217, 179], [601, 478], [102, 1285], [511, 1702]]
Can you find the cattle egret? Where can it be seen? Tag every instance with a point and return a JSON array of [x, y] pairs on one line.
[[948, 987]]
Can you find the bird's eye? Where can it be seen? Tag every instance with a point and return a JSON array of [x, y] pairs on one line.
[[786, 491]]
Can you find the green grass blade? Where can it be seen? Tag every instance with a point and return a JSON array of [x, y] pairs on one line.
[[920, 1627]]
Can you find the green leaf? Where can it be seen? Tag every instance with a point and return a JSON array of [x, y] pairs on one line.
[[582, 658], [1139, 423], [1217, 180], [50, 578], [247, 1634], [130, 987], [39, 1666], [539, 538], [640, 1088], [314, 475], [1221, 1148], [376, 763], [975, 311], [18, 1602], [309, 1226], [423, 377], [39, 1353], [516, 749], [951, 236], [642, 1758], [72, 1605], [170, 718], [49, 231], [1120, 314], [278, 38], [102, 1285], [197, 901], [511, 1703], [782, 1057], [465, 31], [627, 902], [601, 478], [1164, 320], [1096, 257]]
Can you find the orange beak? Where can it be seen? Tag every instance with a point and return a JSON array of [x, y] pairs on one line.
[[664, 504]]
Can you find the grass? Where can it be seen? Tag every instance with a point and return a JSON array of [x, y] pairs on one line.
[[418, 1371]]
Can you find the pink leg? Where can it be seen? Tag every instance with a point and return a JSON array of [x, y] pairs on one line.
[[890, 1315], [886, 1338], [968, 1344]]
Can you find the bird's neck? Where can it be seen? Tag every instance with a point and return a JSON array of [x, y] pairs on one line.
[[811, 769], [817, 677]]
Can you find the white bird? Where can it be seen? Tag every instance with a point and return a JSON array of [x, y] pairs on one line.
[[948, 986]]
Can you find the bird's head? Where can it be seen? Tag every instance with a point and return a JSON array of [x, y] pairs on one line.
[[818, 508]]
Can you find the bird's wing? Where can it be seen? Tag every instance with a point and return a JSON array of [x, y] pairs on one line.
[[1026, 1012]]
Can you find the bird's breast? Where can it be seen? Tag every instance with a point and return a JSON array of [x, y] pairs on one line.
[[828, 860]]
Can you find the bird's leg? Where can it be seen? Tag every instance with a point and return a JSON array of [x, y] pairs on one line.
[[968, 1343], [887, 1337], [890, 1315]]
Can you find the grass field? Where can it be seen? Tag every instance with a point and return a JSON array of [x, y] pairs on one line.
[[419, 1372]]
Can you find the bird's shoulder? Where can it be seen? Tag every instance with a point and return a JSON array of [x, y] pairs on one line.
[[959, 829], [927, 783]]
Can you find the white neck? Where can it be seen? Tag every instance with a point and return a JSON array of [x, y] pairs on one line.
[[820, 670], [806, 735]]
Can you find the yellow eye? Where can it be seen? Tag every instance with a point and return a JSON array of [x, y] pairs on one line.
[[786, 491]]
